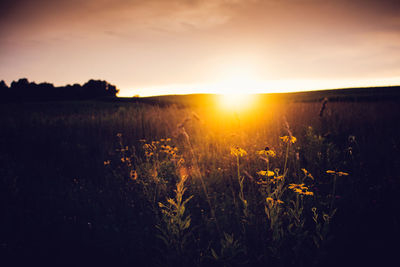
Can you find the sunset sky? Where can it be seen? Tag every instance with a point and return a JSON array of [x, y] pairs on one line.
[[151, 47]]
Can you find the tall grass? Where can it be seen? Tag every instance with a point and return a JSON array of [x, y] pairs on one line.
[[87, 180]]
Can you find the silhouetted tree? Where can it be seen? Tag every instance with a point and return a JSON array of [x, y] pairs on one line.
[[24, 90], [98, 88], [4, 91]]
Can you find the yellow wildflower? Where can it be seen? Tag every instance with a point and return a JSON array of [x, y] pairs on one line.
[[287, 139], [107, 162], [300, 189], [266, 173], [270, 201], [238, 152], [276, 179], [337, 173], [297, 186], [267, 152], [306, 173], [133, 175]]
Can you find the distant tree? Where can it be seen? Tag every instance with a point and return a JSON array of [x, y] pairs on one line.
[[47, 91], [20, 88], [99, 88], [4, 90], [3, 85], [25, 90], [22, 84]]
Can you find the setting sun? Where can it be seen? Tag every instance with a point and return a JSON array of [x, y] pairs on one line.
[[236, 101]]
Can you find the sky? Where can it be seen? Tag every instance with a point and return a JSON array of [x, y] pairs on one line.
[[153, 47]]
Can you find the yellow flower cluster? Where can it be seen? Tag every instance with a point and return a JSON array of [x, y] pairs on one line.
[[238, 152], [337, 173], [301, 189], [154, 147], [287, 139], [169, 150], [274, 179], [149, 149]]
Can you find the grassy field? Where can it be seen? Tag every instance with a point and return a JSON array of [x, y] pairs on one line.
[[145, 183]]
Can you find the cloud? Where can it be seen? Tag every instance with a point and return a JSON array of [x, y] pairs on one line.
[[173, 15]]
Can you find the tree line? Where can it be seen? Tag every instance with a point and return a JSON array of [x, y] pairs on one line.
[[31, 91]]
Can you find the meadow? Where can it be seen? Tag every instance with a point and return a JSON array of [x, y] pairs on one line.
[[139, 183]]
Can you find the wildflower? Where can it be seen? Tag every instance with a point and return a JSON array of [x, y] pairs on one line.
[[337, 173], [162, 140], [306, 173], [133, 174], [238, 152], [119, 134], [270, 201], [314, 209], [277, 179], [107, 162], [300, 189], [168, 140], [297, 186], [267, 152], [142, 140], [287, 139], [266, 173]]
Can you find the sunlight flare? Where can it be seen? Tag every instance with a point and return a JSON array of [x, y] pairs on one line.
[[236, 101]]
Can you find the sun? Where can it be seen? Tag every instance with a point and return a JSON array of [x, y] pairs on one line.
[[236, 101], [236, 88]]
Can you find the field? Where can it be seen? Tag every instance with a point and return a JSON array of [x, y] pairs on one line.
[[288, 182]]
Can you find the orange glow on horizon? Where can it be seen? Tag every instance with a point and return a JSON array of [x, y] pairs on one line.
[[236, 102], [226, 87]]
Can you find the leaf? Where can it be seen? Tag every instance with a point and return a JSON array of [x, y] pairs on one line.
[[186, 223], [187, 200]]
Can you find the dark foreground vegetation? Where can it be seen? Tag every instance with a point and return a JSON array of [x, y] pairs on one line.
[[288, 183]]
